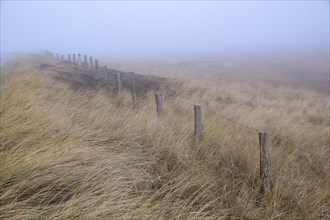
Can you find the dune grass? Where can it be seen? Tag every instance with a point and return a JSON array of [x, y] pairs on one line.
[[87, 154]]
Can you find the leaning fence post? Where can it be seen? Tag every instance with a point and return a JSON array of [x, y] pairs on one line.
[[264, 163], [79, 59], [91, 62], [134, 95], [119, 85], [198, 122], [159, 106]]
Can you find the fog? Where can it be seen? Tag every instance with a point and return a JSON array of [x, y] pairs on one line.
[[130, 29]]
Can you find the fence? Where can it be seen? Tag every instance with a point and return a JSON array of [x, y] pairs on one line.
[[95, 70]]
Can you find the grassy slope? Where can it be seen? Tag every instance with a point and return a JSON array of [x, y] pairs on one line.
[[84, 153]]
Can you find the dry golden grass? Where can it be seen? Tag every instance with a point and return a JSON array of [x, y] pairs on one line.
[[86, 154]]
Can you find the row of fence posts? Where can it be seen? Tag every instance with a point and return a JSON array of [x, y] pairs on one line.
[[94, 67], [94, 64], [263, 138]]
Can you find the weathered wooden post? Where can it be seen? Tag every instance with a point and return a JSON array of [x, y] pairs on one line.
[[86, 63], [74, 58], [198, 122], [264, 163], [57, 58], [134, 95], [69, 58], [79, 60], [91, 62], [62, 57], [119, 85], [96, 66], [159, 105], [106, 77]]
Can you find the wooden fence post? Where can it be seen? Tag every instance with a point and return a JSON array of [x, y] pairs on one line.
[[134, 95], [62, 57], [91, 62], [96, 66], [106, 77], [86, 63], [74, 58], [159, 105], [69, 58], [198, 122], [79, 59], [264, 163], [119, 85], [57, 57]]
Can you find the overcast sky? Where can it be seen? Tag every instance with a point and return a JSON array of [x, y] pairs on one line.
[[122, 29]]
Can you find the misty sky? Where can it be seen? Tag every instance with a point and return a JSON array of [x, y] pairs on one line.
[[163, 28]]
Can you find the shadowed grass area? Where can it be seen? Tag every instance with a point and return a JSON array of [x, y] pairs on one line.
[[71, 152]]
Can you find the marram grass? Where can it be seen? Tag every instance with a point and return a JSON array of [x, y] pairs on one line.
[[86, 154]]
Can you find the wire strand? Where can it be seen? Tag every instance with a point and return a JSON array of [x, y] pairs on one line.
[[238, 123], [211, 111]]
